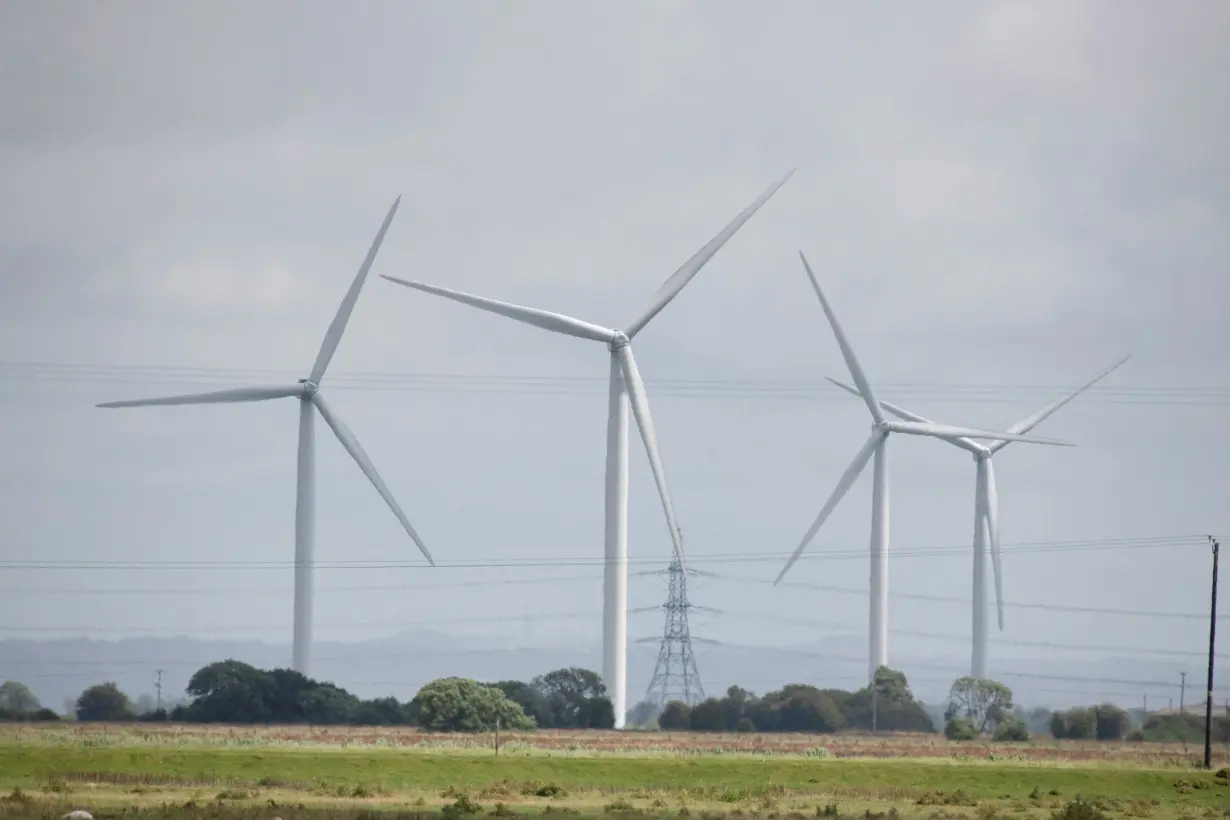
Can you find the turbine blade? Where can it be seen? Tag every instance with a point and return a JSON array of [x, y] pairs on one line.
[[843, 486], [670, 289], [338, 326], [365, 464], [902, 413], [644, 421], [847, 352], [992, 511], [234, 396], [555, 322], [950, 431], [1029, 423]]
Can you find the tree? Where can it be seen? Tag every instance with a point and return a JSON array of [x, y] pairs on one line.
[[381, 712], [230, 691], [676, 716], [708, 716], [104, 702], [985, 702], [1111, 722], [601, 713], [17, 699], [531, 699], [1074, 724], [735, 702], [568, 692], [803, 708], [464, 705], [895, 708]]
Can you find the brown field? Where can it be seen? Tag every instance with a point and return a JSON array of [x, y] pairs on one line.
[[597, 742], [155, 771]]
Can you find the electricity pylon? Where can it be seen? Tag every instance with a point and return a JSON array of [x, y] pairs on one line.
[[675, 676]]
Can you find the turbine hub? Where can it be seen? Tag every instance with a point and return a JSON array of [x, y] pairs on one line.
[[309, 388], [620, 339], [880, 426], [983, 454]]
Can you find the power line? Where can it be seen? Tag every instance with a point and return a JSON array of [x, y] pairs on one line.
[[581, 385], [78, 591], [1171, 542], [553, 616]]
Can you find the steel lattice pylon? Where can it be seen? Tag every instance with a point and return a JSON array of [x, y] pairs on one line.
[[675, 676]]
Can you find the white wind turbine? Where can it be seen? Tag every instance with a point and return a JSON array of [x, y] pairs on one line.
[[986, 509], [877, 445], [625, 383], [310, 401]]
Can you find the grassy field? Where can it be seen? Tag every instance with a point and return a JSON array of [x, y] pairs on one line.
[[341, 772]]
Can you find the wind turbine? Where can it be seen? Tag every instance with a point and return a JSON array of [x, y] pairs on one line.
[[310, 401], [877, 446], [625, 384], [986, 508]]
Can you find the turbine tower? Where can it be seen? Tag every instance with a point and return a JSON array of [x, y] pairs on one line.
[[675, 676], [877, 446], [310, 401], [986, 509], [625, 387]]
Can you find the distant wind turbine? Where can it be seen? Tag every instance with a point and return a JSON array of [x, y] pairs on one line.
[[877, 445], [310, 401], [986, 508], [625, 384]]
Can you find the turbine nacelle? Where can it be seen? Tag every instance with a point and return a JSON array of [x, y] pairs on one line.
[[618, 339], [310, 388]]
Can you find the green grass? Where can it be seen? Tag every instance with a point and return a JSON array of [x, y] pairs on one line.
[[413, 781]]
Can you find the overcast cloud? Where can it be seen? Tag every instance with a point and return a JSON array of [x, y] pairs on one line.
[[992, 193]]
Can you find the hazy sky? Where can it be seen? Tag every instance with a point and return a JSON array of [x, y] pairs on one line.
[[994, 194]]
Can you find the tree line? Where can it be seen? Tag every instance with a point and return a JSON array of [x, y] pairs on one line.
[[887, 705], [231, 691]]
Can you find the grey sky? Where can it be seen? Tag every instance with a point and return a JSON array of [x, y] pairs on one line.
[[991, 193]]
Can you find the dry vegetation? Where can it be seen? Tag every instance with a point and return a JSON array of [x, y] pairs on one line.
[[339, 772], [586, 742]]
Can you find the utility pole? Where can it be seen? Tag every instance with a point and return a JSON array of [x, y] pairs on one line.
[[1182, 690], [158, 688], [1208, 699]]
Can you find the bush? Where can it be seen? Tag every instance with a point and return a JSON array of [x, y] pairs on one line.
[[601, 713], [464, 705], [104, 702], [961, 728], [1013, 731], [676, 716], [708, 716], [1074, 724]]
